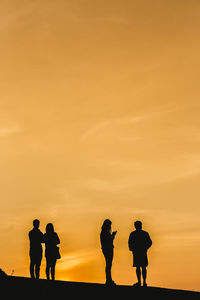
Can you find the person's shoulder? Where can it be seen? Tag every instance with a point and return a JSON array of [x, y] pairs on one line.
[[104, 233], [56, 237], [145, 232], [41, 233], [37, 231], [133, 233]]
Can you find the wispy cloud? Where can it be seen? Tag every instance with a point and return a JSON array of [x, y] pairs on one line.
[[71, 260], [106, 123], [126, 120], [93, 130], [9, 130]]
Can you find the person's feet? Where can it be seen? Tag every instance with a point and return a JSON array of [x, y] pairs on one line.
[[137, 284], [110, 283], [144, 284]]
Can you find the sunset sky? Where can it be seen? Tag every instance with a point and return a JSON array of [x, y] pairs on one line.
[[100, 118]]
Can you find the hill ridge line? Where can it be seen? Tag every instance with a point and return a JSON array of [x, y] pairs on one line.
[[97, 284]]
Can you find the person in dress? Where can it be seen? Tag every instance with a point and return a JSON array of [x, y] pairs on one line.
[[51, 241], [107, 238]]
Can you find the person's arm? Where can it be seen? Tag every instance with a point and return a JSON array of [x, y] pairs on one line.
[[130, 242], [41, 237], [57, 239], [113, 234], [149, 242]]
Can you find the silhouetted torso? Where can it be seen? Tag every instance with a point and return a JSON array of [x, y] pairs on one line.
[[139, 240], [36, 238], [139, 243], [106, 241], [51, 241]]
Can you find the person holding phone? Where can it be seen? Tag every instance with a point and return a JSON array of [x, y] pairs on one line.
[[107, 238]]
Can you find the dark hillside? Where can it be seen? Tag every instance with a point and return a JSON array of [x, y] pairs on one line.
[[26, 288]]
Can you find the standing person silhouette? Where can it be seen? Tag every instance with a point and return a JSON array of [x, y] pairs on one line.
[[139, 242], [106, 238], [51, 241], [35, 238]]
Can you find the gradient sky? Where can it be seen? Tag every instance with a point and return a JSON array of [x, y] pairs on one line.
[[99, 118]]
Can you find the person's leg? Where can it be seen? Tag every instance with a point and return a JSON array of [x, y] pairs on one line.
[[144, 275], [47, 268], [53, 265], [108, 267], [32, 267], [37, 268], [138, 273], [109, 259], [37, 271]]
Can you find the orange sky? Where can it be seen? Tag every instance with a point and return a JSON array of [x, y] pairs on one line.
[[99, 118]]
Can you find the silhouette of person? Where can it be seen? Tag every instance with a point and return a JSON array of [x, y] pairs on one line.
[[36, 238], [139, 242], [51, 241], [106, 238]]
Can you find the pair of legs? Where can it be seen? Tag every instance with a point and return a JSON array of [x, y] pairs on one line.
[[50, 268], [108, 254], [141, 270], [35, 267]]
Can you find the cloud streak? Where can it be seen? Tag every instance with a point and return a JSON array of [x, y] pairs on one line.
[[127, 120], [112, 122], [9, 130], [74, 259]]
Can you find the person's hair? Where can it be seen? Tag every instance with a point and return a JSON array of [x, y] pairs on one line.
[[36, 223], [49, 228], [138, 225], [106, 225]]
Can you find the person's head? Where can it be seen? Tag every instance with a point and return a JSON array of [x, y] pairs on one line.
[[49, 228], [138, 225], [36, 223], [106, 225]]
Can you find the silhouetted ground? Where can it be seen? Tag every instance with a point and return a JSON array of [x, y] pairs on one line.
[[26, 288]]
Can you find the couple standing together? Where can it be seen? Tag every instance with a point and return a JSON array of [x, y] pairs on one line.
[[51, 240], [139, 242]]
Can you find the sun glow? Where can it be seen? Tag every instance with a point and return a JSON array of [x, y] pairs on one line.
[[71, 261]]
